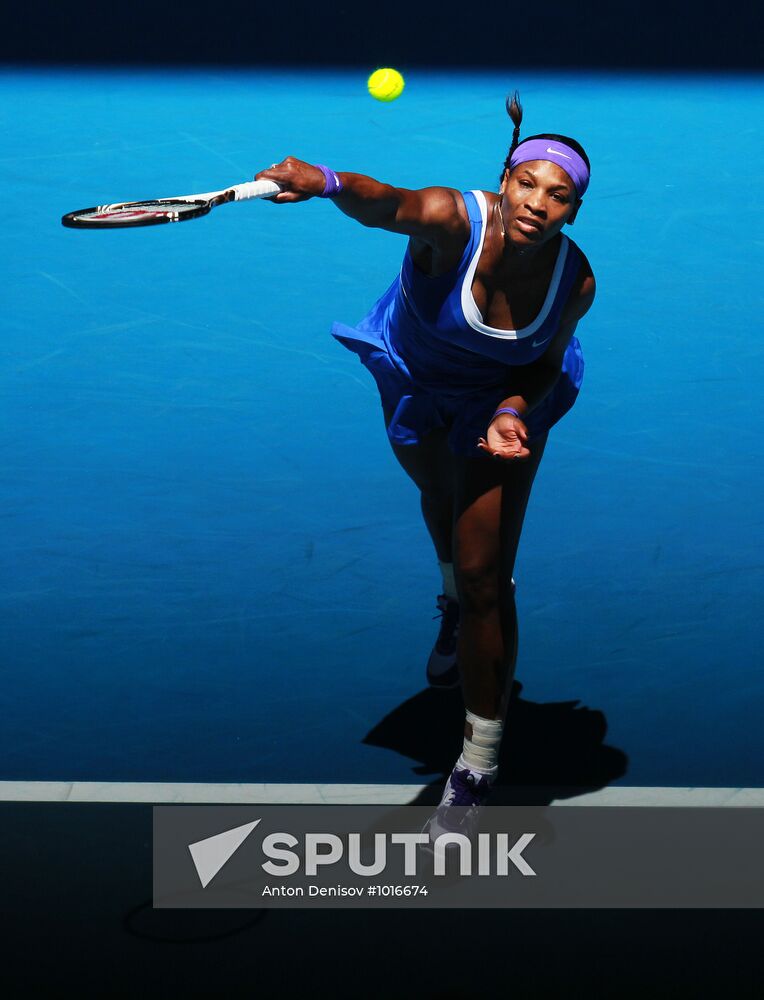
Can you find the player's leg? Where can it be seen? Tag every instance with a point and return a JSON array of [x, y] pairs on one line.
[[430, 465], [490, 503]]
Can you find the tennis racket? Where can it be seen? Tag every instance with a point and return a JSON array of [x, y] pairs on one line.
[[157, 211]]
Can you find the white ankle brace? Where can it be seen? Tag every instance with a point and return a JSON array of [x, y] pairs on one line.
[[481, 753]]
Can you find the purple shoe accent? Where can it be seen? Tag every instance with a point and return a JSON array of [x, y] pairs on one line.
[[449, 626], [466, 788]]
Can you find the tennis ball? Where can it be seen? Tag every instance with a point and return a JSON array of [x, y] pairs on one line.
[[386, 84]]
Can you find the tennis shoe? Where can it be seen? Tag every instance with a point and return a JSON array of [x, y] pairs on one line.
[[442, 668], [459, 811]]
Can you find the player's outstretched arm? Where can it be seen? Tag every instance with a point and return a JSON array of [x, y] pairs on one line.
[[425, 214]]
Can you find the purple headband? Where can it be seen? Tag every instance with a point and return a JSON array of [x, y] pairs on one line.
[[556, 152]]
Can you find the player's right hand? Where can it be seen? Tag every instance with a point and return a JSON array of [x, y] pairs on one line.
[[299, 180], [506, 438]]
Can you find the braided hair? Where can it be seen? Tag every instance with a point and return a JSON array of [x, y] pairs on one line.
[[515, 112]]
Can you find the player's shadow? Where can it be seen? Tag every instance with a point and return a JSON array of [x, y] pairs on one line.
[[549, 751]]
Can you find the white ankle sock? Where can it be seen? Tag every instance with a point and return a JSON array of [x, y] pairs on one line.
[[481, 753], [449, 580]]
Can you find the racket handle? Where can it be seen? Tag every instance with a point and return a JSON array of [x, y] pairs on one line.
[[255, 189]]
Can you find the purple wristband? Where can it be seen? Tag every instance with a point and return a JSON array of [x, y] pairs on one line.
[[506, 409], [333, 184]]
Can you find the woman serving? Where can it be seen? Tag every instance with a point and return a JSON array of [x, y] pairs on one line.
[[473, 351]]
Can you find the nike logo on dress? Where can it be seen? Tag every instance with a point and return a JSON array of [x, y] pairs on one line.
[[558, 152], [538, 343]]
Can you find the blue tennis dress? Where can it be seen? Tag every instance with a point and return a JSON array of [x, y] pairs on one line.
[[435, 362]]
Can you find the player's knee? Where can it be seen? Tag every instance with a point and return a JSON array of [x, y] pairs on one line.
[[479, 588]]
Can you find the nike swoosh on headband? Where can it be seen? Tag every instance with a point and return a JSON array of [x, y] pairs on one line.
[[536, 149]]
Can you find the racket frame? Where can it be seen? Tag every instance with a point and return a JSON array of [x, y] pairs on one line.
[[204, 204]]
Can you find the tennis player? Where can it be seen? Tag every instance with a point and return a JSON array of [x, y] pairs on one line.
[[473, 350]]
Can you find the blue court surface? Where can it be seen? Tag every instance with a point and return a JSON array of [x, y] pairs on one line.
[[216, 583], [214, 571]]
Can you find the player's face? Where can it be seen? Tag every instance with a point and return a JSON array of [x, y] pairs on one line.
[[539, 198]]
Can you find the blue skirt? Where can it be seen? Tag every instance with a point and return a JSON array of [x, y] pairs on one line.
[[415, 411]]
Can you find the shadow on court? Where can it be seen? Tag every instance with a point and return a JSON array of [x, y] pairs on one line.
[[550, 751]]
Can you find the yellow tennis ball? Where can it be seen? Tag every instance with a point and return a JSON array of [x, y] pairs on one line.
[[386, 84]]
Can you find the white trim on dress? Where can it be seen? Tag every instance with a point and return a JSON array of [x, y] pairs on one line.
[[469, 307]]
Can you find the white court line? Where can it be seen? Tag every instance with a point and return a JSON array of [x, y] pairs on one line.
[[296, 794]]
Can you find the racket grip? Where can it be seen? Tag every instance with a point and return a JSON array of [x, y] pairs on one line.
[[255, 189]]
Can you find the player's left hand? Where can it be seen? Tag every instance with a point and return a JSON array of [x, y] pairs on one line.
[[506, 438]]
